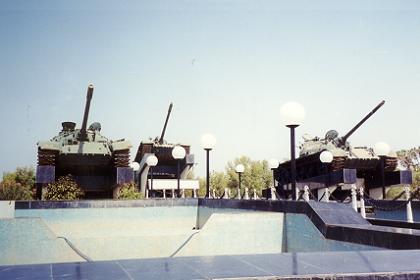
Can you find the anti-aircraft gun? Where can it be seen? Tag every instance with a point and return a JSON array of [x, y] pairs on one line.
[[308, 164], [167, 165], [96, 163]]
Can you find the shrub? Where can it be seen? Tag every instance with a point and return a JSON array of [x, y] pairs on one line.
[[65, 188], [10, 190], [129, 191]]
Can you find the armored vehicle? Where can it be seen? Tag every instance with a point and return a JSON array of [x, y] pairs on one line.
[[96, 163], [167, 165], [363, 159]]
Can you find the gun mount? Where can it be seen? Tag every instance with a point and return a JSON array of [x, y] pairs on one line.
[[82, 133], [342, 140], [166, 123]]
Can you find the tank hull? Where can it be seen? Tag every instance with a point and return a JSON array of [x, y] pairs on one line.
[[167, 165], [310, 166]]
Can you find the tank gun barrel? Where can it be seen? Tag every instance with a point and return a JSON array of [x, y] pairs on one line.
[[83, 133], [166, 123], [343, 139]]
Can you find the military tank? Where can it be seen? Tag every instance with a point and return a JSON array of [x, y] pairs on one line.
[[308, 164], [96, 163], [167, 165]]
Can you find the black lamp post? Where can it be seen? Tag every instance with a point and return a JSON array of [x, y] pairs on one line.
[[326, 157], [293, 160], [178, 153], [135, 166], [382, 159], [273, 164], [151, 161], [208, 142], [240, 168], [382, 150], [293, 114]]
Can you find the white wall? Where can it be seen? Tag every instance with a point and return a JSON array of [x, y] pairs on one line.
[[7, 209]]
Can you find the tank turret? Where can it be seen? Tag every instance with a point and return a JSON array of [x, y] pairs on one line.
[[340, 147]]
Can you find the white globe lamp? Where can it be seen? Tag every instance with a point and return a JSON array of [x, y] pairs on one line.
[[135, 166], [152, 160], [292, 114], [208, 141], [326, 157], [240, 168], [273, 163], [382, 149], [178, 152]]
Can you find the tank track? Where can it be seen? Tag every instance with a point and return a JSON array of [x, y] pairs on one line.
[[122, 158], [338, 163], [47, 157], [391, 163]]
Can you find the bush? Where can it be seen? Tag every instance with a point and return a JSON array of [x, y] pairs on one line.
[[65, 188], [129, 191], [394, 192], [10, 190]]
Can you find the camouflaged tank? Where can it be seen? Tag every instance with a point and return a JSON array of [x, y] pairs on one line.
[[363, 159], [84, 153]]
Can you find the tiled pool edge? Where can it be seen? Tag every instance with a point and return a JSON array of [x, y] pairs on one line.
[[332, 220], [37, 204], [335, 221]]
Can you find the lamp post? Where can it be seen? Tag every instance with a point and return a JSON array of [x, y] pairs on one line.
[[240, 168], [208, 141], [292, 114], [382, 150], [326, 157], [135, 166], [178, 153], [273, 164], [151, 161]]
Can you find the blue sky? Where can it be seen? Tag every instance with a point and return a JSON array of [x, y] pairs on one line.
[[227, 66]]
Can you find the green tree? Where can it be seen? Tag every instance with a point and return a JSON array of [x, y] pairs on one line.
[[409, 159], [65, 188], [218, 181], [18, 185], [10, 190], [202, 189], [257, 174]]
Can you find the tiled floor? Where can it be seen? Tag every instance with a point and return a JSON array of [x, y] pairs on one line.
[[360, 263]]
